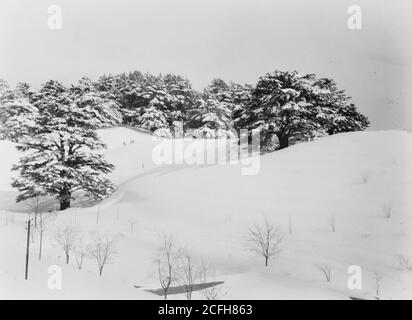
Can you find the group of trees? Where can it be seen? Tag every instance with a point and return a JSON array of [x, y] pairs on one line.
[[101, 249], [291, 105], [286, 105], [56, 125]]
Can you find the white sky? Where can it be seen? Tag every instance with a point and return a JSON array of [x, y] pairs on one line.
[[237, 40]]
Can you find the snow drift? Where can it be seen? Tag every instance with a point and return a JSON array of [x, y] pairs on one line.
[[209, 210]]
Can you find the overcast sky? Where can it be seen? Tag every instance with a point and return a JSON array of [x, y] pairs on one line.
[[237, 40]]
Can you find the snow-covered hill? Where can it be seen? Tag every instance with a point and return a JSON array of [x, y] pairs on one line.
[[209, 210]]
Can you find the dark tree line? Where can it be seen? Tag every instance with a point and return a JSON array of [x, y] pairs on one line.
[[286, 105]]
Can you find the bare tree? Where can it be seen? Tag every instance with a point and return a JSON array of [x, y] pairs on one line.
[[387, 210], [326, 270], [190, 273], [378, 279], [65, 238], [167, 263], [332, 222], [405, 262], [102, 250], [79, 252], [209, 292], [266, 240]]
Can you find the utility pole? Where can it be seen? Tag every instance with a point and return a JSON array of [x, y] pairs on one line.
[[27, 247]]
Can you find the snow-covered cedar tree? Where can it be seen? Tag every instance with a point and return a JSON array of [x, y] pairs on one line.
[[140, 92], [14, 104], [109, 84], [136, 92], [107, 111], [342, 115], [5, 92], [181, 98], [221, 91], [60, 155], [118, 88], [153, 119], [127, 88], [350, 120], [23, 90], [6, 95], [171, 95], [283, 106], [210, 119], [17, 119], [242, 98]]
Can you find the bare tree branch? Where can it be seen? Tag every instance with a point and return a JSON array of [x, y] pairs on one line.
[[65, 238], [167, 263], [102, 250], [266, 240]]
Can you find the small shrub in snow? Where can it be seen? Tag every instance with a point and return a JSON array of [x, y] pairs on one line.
[[190, 274], [213, 292], [102, 250], [387, 210], [405, 262], [266, 240], [66, 237], [326, 270], [167, 263], [332, 223], [79, 252]]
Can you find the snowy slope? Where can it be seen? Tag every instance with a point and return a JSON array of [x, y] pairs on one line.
[[209, 209]]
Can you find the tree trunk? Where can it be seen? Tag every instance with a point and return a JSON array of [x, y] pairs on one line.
[[266, 261], [65, 199], [267, 143], [64, 204], [67, 259], [283, 141]]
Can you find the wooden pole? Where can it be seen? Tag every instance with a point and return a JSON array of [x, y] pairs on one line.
[[27, 248]]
